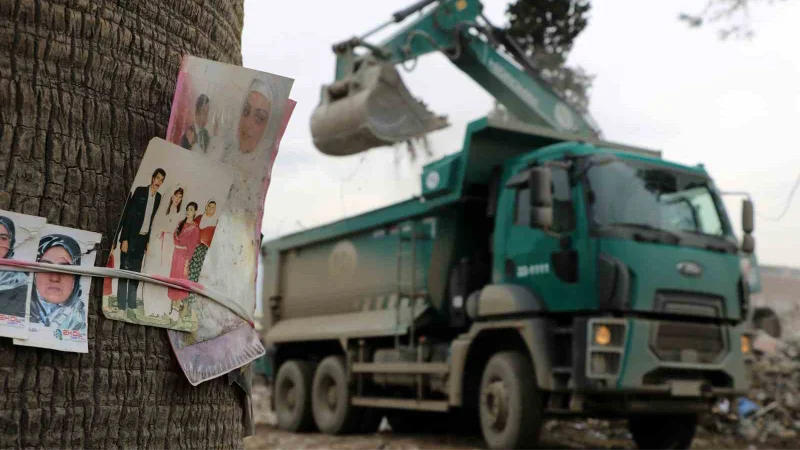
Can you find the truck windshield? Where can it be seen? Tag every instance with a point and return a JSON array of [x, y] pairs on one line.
[[633, 194]]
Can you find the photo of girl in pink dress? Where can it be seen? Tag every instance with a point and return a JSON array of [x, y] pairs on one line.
[[186, 238]]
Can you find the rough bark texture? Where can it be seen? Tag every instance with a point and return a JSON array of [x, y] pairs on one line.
[[84, 85]]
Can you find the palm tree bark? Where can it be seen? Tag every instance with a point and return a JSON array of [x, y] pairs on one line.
[[84, 85]]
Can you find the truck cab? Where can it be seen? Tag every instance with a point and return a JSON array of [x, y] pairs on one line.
[[640, 248]]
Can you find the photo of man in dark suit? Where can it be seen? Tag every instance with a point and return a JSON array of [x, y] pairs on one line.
[[137, 220]]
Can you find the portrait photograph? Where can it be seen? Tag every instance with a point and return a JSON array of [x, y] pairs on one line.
[[237, 116], [233, 115], [167, 226], [58, 301], [18, 240]]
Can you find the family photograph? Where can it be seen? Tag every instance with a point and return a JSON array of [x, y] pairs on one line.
[[166, 228]]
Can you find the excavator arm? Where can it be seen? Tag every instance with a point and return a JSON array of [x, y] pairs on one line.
[[369, 106]]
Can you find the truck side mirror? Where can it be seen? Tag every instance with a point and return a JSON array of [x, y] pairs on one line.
[[748, 244], [747, 216], [541, 197]]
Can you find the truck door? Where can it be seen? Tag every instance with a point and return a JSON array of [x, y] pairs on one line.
[[545, 261]]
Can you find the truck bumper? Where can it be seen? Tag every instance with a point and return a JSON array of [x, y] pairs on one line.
[[656, 373]]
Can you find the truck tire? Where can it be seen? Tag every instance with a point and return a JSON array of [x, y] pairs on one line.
[[663, 431], [510, 405], [330, 398], [293, 396]]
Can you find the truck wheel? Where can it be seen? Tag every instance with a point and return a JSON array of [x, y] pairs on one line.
[[663, 431], [510, 405], [293, 396], [330, 398]]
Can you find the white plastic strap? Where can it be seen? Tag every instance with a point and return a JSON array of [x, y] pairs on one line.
[[105, 272]]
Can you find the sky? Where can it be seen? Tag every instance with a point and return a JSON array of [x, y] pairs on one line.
[[732, 105]]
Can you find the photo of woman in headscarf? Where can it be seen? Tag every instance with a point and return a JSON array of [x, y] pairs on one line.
[[186, 239], [244, 146], [249, 156], [56, 297], [160, 251], [207, 223], [13, 285]]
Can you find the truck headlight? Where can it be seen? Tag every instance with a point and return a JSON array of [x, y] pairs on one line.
[[746, 344], [599, 365], [604, 364], [605, 339], [602, 335], [608, 334]]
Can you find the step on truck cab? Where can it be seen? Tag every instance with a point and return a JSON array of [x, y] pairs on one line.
[[538, 274]]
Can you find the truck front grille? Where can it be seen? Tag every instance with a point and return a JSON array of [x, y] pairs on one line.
[[689, 304], [688, 342]]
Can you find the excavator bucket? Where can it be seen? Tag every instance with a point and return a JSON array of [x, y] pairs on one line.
[[369, 108]]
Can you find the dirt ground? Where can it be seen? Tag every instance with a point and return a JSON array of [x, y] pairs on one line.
[[556, 435]]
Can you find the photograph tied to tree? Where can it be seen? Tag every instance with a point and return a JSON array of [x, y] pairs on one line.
[[18, 241], [167, 226], [58, 301], [234, 116]]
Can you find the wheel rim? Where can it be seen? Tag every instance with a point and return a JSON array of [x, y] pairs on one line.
[[331, 397], [288, 395], [494, 402], [291, 397], [328, 395]]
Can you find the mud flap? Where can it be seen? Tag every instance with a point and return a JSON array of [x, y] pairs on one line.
[[369, 108]]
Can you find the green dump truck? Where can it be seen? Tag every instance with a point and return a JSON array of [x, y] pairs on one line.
[[541, 272], [532, 277]]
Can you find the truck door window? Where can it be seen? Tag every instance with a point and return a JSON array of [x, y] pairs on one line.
[[563, 211]]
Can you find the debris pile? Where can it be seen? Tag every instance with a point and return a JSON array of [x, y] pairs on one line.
[[587, 433], [262, 398], [770, 413]]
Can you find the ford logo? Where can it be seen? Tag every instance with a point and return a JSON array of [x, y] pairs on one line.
[[690, 269]]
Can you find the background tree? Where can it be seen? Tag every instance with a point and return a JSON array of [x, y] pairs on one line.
[[733, 17], [84, 85], [546, 31]]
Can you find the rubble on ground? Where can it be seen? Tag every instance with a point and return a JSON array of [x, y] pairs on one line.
[[770, 413], [262, 398]]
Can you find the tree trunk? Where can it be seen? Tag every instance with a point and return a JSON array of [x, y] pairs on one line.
[[84, 85]]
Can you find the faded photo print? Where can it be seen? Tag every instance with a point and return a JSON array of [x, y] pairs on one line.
[[236, 116], [18, 241], [58, 301], [167, 226]]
